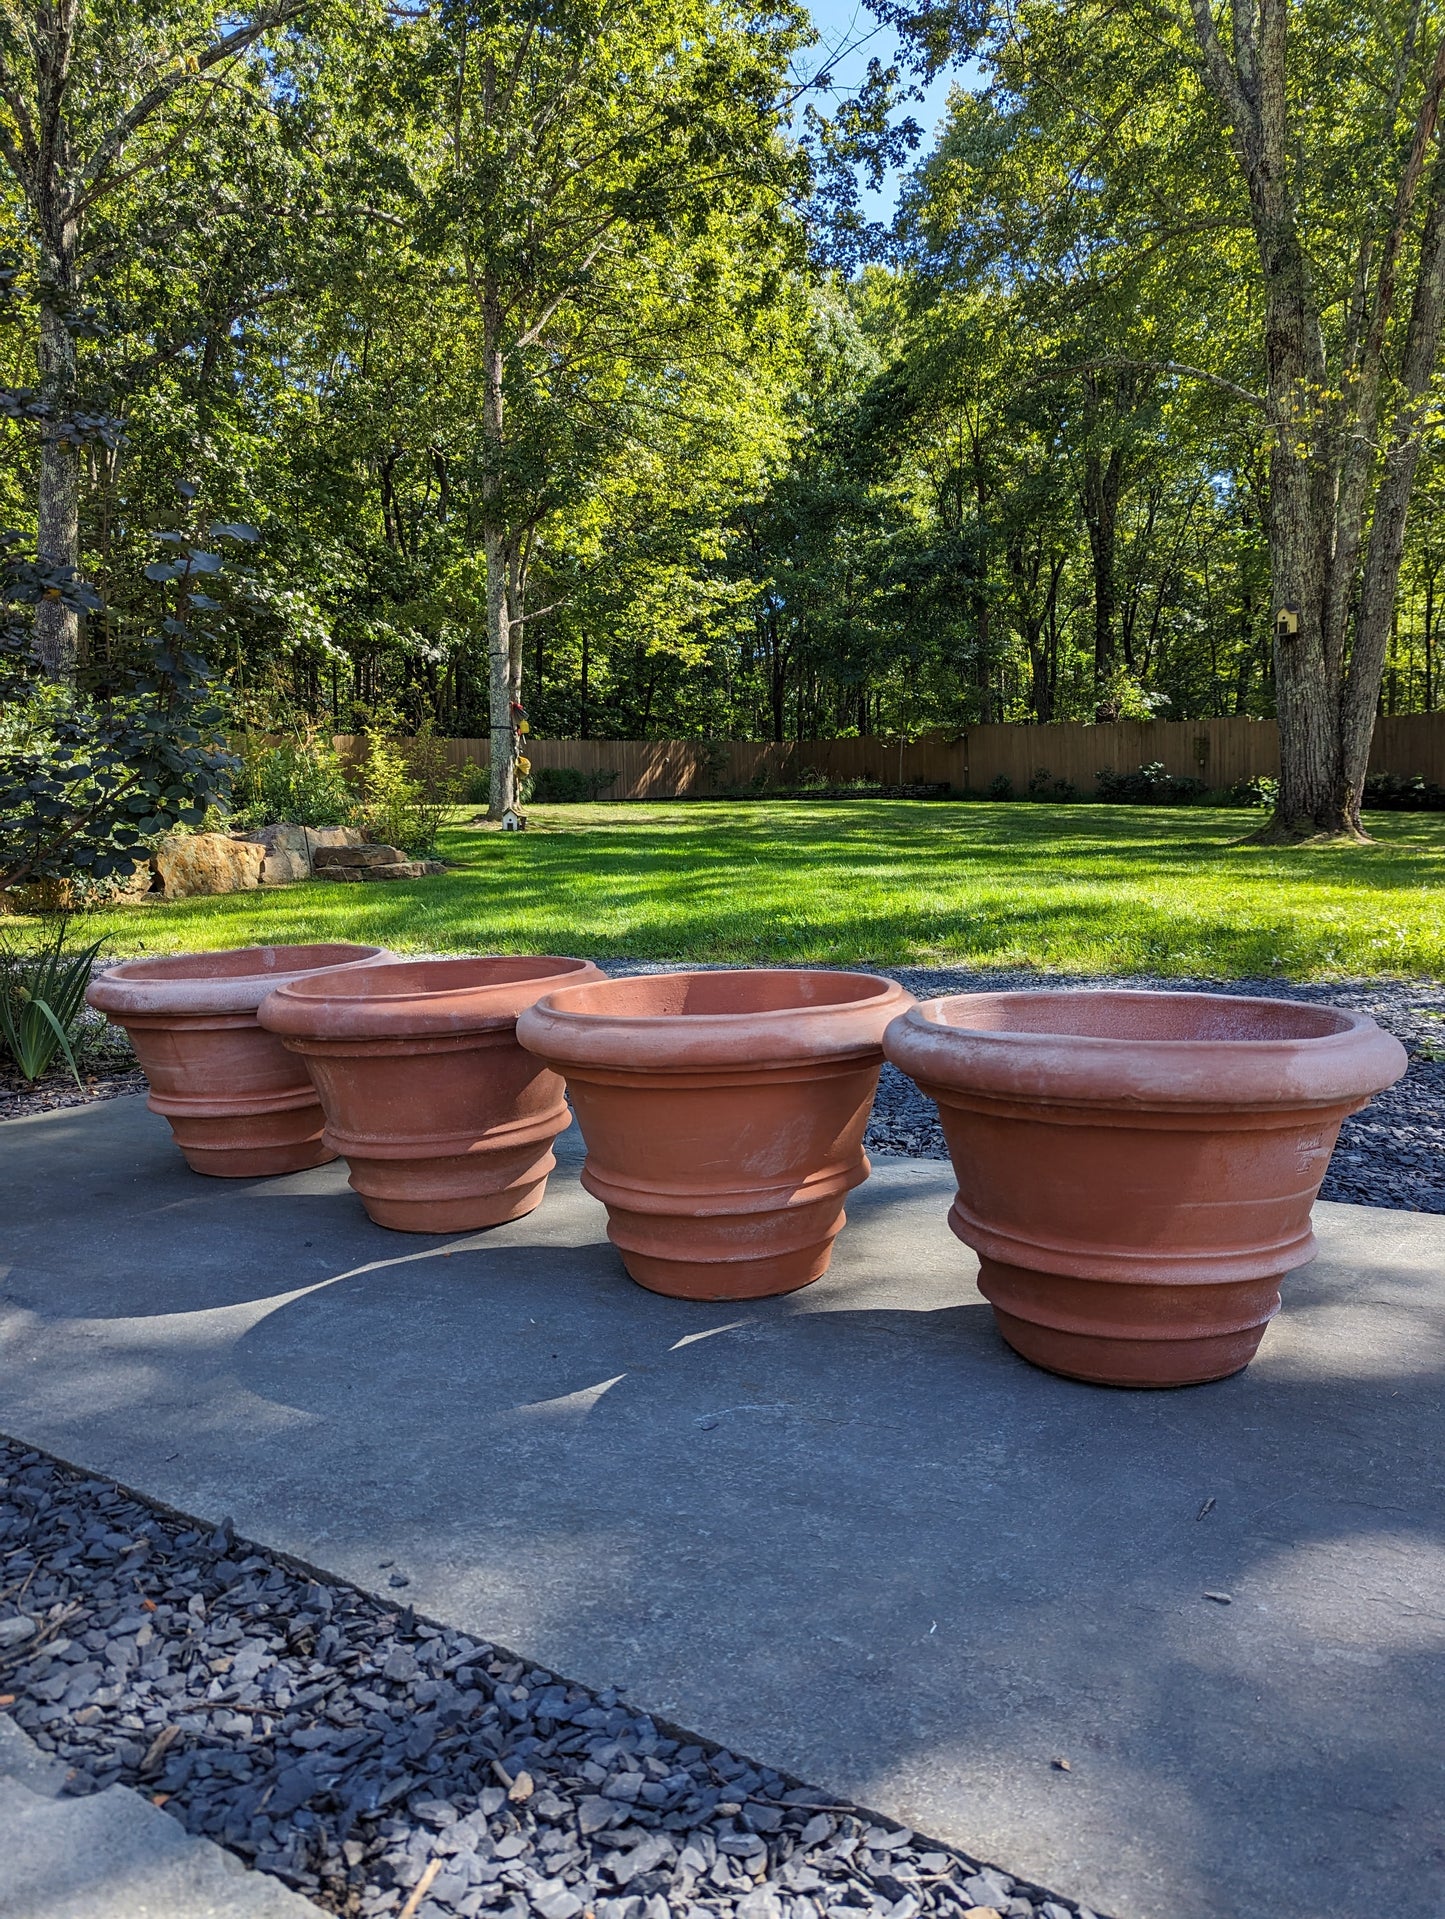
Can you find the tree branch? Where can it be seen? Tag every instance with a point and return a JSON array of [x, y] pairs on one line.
[[227, 48]]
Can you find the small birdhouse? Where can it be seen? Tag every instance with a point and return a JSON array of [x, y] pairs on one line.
[[513, 821], [1286, 622]]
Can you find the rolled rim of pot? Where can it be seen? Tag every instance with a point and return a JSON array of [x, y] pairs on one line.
[[418, 997], [1119, 1047], [682, 1021], [232, 979]]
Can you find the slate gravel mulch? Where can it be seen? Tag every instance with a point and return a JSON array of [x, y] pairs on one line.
[[382, 1764], [1392, 1154]]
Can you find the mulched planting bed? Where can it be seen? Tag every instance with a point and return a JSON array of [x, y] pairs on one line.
[[365, 1755]]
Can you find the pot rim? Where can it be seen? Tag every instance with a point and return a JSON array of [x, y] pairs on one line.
[[558, 1029], [325, 1008], [1349, 1062], [158, 986]]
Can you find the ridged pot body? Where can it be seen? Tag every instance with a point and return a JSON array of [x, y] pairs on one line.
[[724, 1116], [1136, 1170], [445, 1122], [239, 1105]]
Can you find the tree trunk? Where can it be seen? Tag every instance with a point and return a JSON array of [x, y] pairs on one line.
[[1103, 482], [57, 627], [1392, 504], [1323, 461], [501, 558]]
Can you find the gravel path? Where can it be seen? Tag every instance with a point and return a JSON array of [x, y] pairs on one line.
[[381, 1764]]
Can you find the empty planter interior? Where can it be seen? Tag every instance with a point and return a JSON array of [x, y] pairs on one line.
[[240, 1106], [446, 1123], [723, 1114], [1136, 1169]]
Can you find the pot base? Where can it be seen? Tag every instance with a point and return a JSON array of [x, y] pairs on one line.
[[730, 1278], [265, 1146], [412, 1192], [472, 1215], [1110, 1333]]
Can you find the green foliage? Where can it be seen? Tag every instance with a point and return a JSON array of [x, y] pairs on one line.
[[1044, 786], [42, 997], [300, 779], [1257, 789], [1399, 793], [406, 789], [569, 785], [1000, 787], [88, 780], [1150, 785]]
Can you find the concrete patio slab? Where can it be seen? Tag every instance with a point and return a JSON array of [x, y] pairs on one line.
[[846, 1532]]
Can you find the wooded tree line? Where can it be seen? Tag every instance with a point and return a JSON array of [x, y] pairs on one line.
[[561, 382]]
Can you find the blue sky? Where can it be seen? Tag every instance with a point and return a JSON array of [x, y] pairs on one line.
[[842, 23]]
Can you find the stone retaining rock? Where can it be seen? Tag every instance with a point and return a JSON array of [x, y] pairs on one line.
[[398, 869], [197, 863], [360, 854]]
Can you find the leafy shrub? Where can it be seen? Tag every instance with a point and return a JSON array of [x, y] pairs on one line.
[[569, 785], [1149, 786], [474, 783], [1258, 789], [1000, 787], [42, 998], [406, 788], [302, 780], [88, 782], [1043, 786], [1404, 793]]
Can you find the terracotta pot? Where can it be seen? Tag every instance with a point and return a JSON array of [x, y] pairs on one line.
[[239, 1105], [1136, 1170], [724, 1117], [446, 1123]]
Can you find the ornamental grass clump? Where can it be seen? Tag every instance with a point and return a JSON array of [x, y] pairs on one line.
[[42, 1000]]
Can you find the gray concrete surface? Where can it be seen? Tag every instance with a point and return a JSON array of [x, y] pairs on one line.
[[847, 1532], [113, 1855]]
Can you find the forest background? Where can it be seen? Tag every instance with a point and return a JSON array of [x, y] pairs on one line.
[[545, 358]]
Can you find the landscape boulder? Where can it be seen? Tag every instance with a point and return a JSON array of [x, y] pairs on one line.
[[287, 849], [191, 863], [356, 854], [400, 868]]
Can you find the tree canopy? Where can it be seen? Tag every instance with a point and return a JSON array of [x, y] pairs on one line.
[[545, 349]]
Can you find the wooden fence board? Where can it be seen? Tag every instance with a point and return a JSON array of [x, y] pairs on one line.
[[1216, 751]]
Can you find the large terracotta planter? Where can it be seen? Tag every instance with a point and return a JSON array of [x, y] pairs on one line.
[[240, 1106], [1136, 1170], [724, 1116], [446, 1123]]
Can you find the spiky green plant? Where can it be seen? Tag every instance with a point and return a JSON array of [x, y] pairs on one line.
[[42, 992]]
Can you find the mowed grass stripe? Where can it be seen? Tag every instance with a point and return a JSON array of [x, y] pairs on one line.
[[1083, 888]]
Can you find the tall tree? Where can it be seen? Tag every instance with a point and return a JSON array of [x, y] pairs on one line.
[[97, 96], [605, 226], [1350, 240]]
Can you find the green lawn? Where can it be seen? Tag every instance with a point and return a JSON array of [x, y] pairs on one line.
[[1090, 888]]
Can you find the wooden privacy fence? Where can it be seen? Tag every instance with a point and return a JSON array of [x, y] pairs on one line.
[[1219, 752]]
